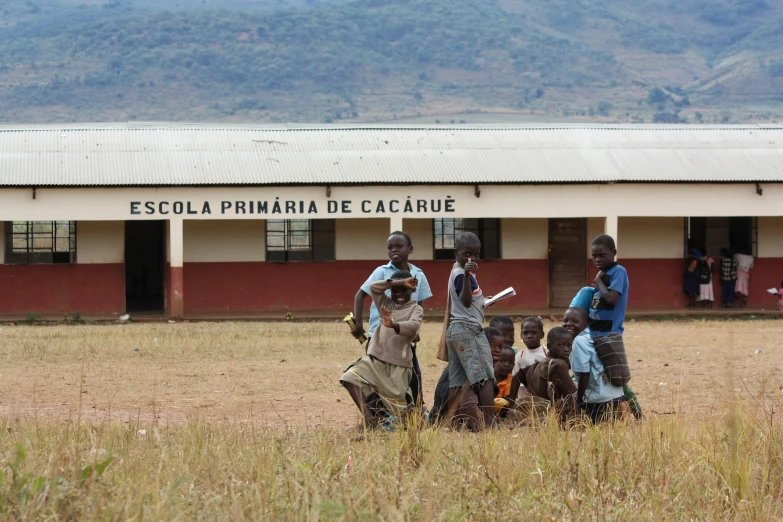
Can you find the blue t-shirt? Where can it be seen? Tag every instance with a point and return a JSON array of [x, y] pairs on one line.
[[384, 272], [605, 318], [584, 359]]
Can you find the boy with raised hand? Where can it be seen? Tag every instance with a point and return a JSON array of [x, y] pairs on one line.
[[387, 368], [596, 396], [607, 312], [469, 354], [398, 246]]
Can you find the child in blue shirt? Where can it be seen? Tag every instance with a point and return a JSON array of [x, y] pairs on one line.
[[610, 301], [398, 246], [596, 396], [610, 298]]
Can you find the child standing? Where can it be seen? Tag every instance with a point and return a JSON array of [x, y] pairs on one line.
[[398, 246], [441, 399], [690, 284], [780, 297], [387, 368], [744, 265], [469, 354], [728, 276], [607, 312], [706, 293]]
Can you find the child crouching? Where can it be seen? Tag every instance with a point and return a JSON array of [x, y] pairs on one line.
[[387, 368]]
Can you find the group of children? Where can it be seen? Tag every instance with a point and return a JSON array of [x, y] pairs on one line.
[[580, 371], [734, 274]]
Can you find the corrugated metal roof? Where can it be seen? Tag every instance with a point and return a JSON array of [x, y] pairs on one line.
[[160, 154]]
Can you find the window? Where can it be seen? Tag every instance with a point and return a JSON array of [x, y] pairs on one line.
[[445, 232], [711, 234], [40, 242], [300, 240]]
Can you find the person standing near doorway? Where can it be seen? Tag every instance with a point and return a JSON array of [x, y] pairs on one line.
[[728, 276], [744, 266]]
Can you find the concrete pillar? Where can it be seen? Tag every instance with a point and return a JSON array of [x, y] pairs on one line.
[[610, 228], [395, 223], [176, 247]]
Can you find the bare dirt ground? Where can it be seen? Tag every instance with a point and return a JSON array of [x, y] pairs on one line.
[[286, 374]]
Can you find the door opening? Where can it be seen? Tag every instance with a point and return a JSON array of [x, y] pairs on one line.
[[567, 260], [145, 257]]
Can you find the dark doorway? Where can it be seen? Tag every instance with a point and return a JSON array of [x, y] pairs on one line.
[[567, 260], [145, 256]]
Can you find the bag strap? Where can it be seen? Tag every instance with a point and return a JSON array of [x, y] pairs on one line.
[[443, 349], [550, 392]]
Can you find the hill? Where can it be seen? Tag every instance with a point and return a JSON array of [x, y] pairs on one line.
[[370, 60]]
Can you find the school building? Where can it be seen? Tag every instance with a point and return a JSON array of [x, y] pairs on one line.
[[197, 219]]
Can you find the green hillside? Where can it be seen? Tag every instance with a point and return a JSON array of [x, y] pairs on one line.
[[373, 60]]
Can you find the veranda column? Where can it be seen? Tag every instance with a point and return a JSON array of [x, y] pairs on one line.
[[610, 228], [176, 244], [395, 224]]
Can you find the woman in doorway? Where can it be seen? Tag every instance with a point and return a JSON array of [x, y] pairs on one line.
[[744, 265]]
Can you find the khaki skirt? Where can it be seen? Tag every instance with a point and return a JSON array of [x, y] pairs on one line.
[[390, 382]]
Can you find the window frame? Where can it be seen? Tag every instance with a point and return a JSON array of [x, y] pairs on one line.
[[320, 241], [751, 241], [487, 229], [39, 256]]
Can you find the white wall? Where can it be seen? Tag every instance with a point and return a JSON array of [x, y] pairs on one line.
[[420, 231], [224, 241], [770, 236], [524, 238], [100, 242], [360, 239], [595, 226], [651, 238], [350, 202]]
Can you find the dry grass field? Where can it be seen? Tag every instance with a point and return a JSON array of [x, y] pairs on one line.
[[246, 421]]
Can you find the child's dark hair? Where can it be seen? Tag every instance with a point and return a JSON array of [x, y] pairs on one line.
[[605, 241], [534, 319], [500, 321], [556, 333], [581, 311], [403, 234], [509, 349], [465, 239], [401, 274], [491, 332]]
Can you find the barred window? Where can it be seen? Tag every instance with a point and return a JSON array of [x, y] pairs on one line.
[[445, 232], [40, 242], [710, 234], [300, 240]]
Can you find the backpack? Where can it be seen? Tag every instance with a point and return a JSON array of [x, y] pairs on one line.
[[705, 272]]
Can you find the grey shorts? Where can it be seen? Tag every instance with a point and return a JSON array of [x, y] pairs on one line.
[[470, 358]]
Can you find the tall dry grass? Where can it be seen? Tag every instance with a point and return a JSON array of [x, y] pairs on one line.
[[207, 452], [725, 467]]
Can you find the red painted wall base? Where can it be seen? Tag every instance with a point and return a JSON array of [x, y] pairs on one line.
[[225, 287], [247, 287], [62, 289], [657, 283]]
